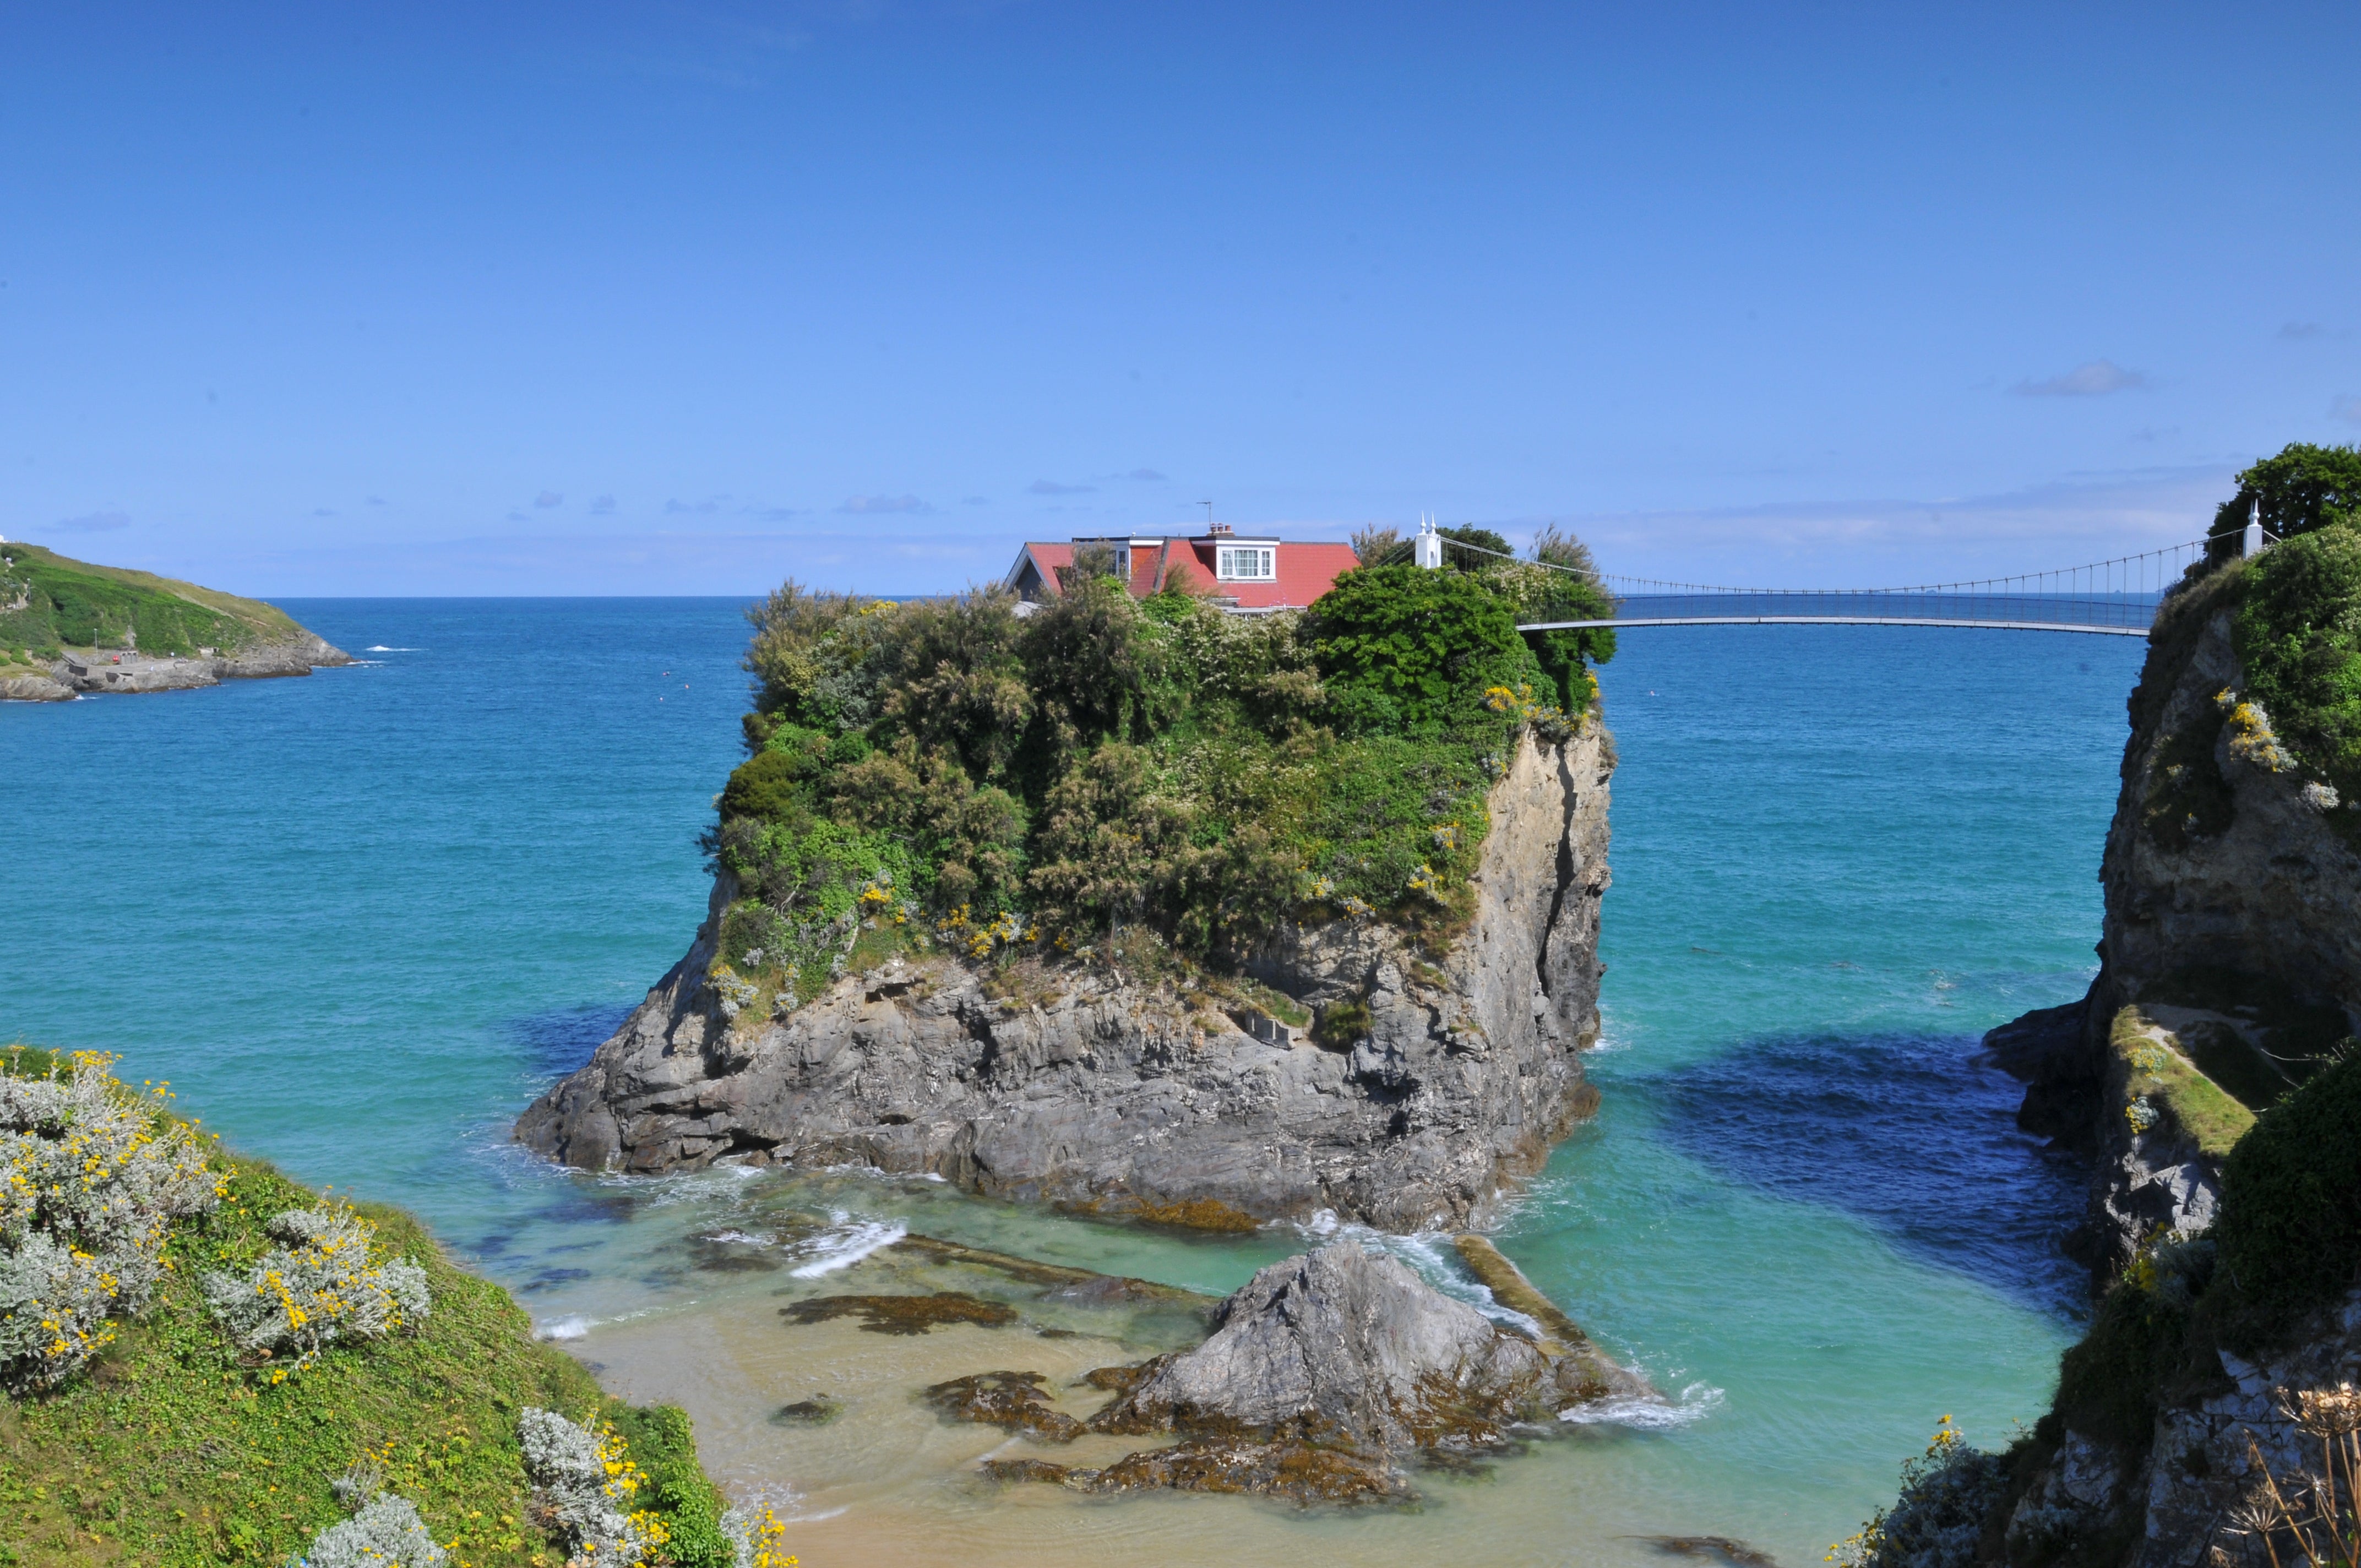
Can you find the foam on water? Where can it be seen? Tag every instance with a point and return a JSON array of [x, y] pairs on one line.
[[847, 1244]]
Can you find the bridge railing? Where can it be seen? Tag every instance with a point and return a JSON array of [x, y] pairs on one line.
[[2118, 596]]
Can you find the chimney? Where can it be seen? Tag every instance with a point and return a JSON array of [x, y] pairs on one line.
[[1217, 530]]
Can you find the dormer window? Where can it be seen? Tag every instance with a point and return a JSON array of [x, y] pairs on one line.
[[1246, 563]]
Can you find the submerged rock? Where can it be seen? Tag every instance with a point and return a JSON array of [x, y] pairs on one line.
[[904, 1314], [1012, 1400]]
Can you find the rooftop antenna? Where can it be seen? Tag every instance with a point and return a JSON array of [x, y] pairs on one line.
[[1209, 515]]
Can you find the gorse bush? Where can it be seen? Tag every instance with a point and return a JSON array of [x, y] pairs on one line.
[[92, 1177], [951, 773], [323, 1284]]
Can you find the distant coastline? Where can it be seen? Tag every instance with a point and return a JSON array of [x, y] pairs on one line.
[[69, 626]]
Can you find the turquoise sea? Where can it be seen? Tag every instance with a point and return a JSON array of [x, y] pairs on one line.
[[359, 920]]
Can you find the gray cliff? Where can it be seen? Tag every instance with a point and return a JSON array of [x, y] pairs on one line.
[[2229, 964], [1085, 1087]]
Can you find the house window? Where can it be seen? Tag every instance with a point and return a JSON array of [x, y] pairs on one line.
[[1246, 563]]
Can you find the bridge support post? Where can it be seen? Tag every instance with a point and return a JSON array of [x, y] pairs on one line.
[[2253, 543], [1427, 547]]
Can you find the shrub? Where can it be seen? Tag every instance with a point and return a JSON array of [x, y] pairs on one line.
[[386, 1530], [1947, 1495], [2299, 639], [1426, 642], [2290, 1224], [91, 1178], [2301, 488], [586, 1479], [321, 1285]]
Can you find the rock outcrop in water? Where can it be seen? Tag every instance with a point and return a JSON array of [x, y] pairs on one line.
[[1099, 1091], [79, 671], [1321, 1376]]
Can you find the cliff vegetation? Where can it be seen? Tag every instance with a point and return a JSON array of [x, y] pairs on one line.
[[50, 602], [991, 778], [163, 1425]]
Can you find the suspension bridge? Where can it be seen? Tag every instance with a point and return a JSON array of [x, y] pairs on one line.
[[2117, 597]]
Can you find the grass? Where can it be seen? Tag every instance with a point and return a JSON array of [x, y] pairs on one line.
[[71, 603], [2157, 1072], [166, 1450]]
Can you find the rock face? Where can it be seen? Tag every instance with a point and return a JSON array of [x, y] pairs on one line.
[[1321, 1373], [2172, 1506], [2232, 953], [82, 670], [1101, 1092], [1349, 1346], [2233, 931], [2238, 871]]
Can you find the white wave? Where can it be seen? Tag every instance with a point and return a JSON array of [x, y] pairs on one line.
[[815, 1519], [572, 1326], [1696, 1401], [844, 1247], [382, 648], [742, 1238]]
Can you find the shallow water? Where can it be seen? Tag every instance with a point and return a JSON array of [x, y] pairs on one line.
[[360, 919]]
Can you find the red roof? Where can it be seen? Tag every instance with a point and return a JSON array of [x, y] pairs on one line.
[[1305, 570]]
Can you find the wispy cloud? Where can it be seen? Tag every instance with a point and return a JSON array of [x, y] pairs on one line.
[[95, 522], [691, 508], [519, 517], [377, 500], [603, 507], [775, 514], [1146, 476], [548, 498], [861, 504], [324, 511], [976, 501], [2094, 379], [1052, 487], [2346, 408]]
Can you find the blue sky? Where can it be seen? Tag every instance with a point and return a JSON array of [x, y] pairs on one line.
[[684, 298]]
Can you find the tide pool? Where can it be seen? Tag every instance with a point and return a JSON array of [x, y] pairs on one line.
[[359, 920]]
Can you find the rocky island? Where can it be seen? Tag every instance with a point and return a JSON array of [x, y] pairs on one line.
[[68, 626], [1124, 903], [2207, 1416]]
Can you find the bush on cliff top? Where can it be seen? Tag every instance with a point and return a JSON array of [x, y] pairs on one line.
[[2299, 639], [966, 775]]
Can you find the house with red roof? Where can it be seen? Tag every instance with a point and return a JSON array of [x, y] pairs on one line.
[[1242, 572]]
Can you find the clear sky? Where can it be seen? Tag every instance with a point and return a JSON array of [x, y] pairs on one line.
[[344, 299]]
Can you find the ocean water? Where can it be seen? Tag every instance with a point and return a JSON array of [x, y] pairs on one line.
[[359, 920]]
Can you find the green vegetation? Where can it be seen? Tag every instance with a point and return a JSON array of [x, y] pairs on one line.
[[951, 774], [172, 1446], [48, 602], [2302, 488], [2291, 1220], [2161, 1084], [2299, 638]]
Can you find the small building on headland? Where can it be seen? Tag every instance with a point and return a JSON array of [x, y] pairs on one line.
[[1247, 572]]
